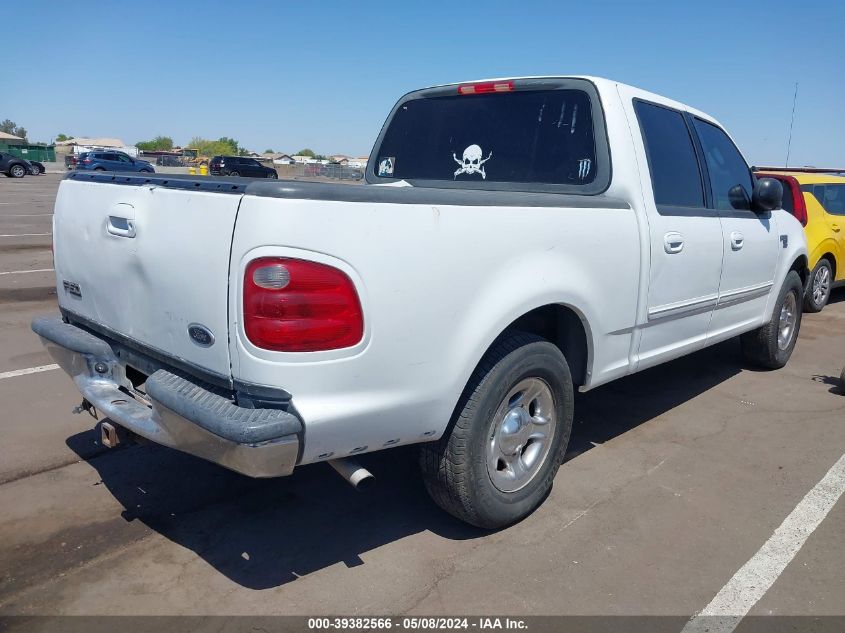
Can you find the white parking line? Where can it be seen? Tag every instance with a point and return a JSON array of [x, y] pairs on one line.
[[28, 370], [23, 272], [754, 579], [25, 234]]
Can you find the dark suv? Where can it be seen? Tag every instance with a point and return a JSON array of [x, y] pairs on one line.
[[239, 166], [110, 160]]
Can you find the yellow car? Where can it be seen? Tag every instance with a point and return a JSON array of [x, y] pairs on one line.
[[817, 199]]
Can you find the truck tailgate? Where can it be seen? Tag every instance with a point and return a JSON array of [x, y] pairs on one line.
[[148, 263]]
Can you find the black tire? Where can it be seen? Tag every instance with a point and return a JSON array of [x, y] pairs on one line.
[[273, 176], [234, 174], [455, 469], [761, 346], [17, 171], [144, 171], [42, 169], [822, 276], [99, 169]]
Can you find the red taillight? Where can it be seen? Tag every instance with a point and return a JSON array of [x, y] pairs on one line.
[[86, 160], [293, 305], [484, 87]]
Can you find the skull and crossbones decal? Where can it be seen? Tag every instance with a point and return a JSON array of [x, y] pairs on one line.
[[471, 163]]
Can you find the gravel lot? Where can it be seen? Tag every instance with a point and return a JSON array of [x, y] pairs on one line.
[[675, 479]]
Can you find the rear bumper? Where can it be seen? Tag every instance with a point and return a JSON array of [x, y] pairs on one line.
[[182, 413]]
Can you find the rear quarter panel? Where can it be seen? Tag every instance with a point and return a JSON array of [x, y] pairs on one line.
[[437, 284]]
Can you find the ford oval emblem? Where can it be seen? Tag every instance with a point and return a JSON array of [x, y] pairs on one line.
[[200, 335]]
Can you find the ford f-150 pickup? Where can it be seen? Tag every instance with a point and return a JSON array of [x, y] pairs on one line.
[[515, 239]]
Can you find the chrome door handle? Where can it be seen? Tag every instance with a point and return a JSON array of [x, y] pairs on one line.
[[673, 242], [835, 228], [121, 227], [737, 240]]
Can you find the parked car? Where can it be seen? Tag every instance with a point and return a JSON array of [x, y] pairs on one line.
[[306, 322], [13, 167], [239, 166], [36, 168], [818, 201], [112, 161]]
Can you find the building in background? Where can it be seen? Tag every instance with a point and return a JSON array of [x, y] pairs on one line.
[[80, 144]]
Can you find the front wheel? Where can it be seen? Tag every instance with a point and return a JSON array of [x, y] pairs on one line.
[[771, 345], [234, 174], [507, 437], [817, 293], [17, 171]]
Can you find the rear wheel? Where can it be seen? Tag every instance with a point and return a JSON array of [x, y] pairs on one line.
[[507, 437], [234, 173], [817, 293], [99, 169], [17, 171], [771, 345]]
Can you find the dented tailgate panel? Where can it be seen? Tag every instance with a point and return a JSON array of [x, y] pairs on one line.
[[150, 263]]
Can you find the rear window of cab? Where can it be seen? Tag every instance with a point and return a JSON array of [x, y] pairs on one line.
[[539, 136]]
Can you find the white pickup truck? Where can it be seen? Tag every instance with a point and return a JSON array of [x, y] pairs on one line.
[[516, 239]]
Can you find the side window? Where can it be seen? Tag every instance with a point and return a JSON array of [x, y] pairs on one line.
[[675, 175], [730, 177], [834, 199]]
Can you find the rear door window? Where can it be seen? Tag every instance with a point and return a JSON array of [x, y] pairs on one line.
[[675, 174], [544, 137], [831, 197]]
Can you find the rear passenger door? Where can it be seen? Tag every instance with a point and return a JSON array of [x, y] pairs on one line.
[[685, 238], [109, 161], [750, 243]]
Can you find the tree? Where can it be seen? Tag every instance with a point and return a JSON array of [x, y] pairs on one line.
[[62, 137], [158, 144], [307, 152], [223, 146], [269, 151], [10, 127]]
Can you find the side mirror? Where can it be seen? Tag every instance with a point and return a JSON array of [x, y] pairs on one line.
[[768, 194]]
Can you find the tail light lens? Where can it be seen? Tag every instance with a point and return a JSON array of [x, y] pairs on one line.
[[791, 187], [294, 305]]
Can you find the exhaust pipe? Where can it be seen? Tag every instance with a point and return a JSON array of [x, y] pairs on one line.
[[358, 476]]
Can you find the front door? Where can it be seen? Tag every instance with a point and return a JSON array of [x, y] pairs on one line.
[[685, 238], [750, 240]]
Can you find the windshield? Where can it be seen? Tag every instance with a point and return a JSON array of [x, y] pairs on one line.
[[528, 136]]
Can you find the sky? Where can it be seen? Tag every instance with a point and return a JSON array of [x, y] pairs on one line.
[[324, 75]]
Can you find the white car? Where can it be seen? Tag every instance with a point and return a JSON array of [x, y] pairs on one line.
[[517, 239]]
